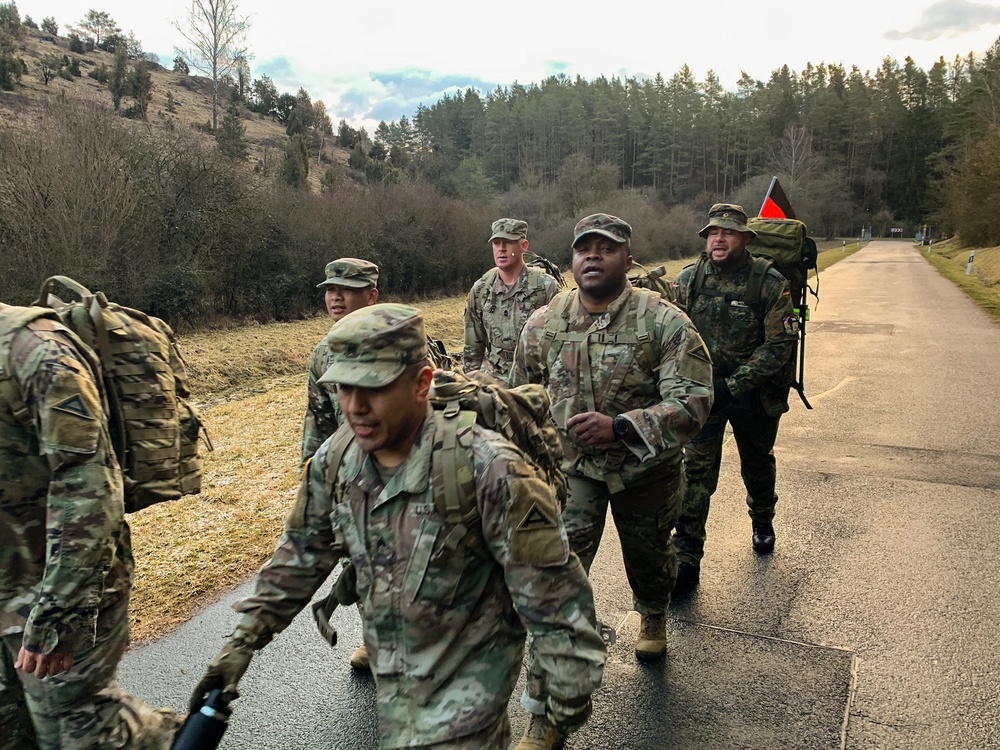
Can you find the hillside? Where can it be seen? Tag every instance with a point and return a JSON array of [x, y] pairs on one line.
[[191, 95]]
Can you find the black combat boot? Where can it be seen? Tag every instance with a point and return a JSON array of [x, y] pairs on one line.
[[763, 537], [688, 575]]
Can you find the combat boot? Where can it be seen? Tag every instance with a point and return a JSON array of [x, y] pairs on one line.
[[539, 734], [652, 642], [688, 575], [360, 660], [763, 537]]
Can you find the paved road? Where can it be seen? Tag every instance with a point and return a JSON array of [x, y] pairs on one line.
[[873, 625]]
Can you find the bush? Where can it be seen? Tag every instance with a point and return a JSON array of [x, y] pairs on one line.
[[29, 23], [75, 44], [101, 74], [49, 26], [12, 67]]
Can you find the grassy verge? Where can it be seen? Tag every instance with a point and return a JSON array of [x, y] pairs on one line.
[[250, 384], [983, 284]]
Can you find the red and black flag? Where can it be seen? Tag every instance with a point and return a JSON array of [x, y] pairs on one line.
[[776, 205]]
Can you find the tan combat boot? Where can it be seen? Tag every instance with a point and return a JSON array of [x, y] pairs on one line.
[[360, 660], [652, 641], [540, 735]]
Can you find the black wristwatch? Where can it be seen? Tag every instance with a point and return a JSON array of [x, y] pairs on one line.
[[619, 426]]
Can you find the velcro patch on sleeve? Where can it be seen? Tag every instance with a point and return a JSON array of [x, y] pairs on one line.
[[696, 364], [69, 414], [538, 537]]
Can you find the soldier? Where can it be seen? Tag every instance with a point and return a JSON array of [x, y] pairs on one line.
[[630, 382], [501, 300], [751, 345], [445, 627], [66, 562], [351, 283]]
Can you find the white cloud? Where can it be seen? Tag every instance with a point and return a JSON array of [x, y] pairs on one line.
[[389, 55]]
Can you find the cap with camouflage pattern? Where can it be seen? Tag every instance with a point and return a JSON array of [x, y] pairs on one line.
[[372, 346], [605, 225], [353, 272], [509, 229], [727, 216]]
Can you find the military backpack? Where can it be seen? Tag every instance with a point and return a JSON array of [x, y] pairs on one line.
[[154, 429], [653, 279], [534, 260]]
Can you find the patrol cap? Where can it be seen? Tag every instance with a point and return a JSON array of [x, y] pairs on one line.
[[605, 225], [372, 346], [509, 229], [727, 216], [353, 272]]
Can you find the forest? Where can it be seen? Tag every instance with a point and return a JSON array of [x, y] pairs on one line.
[[194, 225]]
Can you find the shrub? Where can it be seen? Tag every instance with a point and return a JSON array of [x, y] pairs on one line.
[[101, 74]]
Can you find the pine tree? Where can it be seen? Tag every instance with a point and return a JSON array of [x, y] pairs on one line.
[[231, 135]]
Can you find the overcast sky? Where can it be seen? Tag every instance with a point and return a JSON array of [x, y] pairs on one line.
[[379, 59]]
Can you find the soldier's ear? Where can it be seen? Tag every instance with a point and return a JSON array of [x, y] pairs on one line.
[[423, 381]]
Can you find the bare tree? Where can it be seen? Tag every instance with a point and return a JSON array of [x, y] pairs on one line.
[[216, 32]]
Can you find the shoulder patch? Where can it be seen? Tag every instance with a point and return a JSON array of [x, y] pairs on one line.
[[74, 405], [536, 518]]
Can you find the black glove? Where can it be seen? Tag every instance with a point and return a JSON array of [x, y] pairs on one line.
[[224, 672], [567, 715], [723, 396]]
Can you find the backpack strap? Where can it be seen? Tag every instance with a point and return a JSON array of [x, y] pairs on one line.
[[698, 283], [453, 475], [759, 268], [645, 338], [755, 283], [339, 444], [489, 280], [550, 335]]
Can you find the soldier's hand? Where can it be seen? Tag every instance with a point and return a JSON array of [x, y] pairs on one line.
[[225, 672], [723, 396], [43, 665], [592, 427], [568, 715]]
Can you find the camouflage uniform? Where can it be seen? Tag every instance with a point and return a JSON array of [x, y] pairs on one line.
[[445, 628], [66, 562], [663, 389], [323, 415], [495, 313], [751, 346]]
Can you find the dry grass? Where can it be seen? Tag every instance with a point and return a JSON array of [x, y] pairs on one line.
[[951, 258]]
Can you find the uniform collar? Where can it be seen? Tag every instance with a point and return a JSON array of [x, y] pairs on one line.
[[414, 474]]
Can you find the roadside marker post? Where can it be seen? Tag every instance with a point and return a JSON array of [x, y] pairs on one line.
[[968, 268]]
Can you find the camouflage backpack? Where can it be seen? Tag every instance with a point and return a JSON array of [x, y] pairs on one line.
[[534, 260], [520, 414], [153, 428], [653, 279]]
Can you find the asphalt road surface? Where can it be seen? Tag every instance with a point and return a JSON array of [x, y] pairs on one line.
[[874, 624]]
